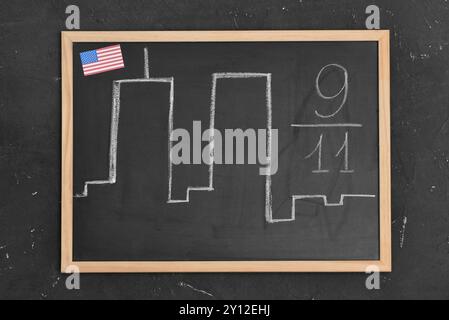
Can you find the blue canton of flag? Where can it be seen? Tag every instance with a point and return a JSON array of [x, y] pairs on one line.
[[89, 57]]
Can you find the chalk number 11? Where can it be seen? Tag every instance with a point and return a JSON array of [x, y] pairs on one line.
[[344, 152]]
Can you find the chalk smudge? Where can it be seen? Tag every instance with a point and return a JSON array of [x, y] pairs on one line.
[[404, 226], [186, 285]]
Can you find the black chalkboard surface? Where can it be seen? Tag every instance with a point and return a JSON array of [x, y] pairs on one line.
[[321, 99]]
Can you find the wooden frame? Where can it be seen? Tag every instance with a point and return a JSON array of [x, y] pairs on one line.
[[383, 39]]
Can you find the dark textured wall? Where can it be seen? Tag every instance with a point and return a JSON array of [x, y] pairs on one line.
[[30, 145]]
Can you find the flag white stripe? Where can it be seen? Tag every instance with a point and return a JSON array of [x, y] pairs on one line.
[[108, 49], [103, 71], [112, 67], [104, 66], [102, 61], [109, 53], [90, 65], [109, 57]]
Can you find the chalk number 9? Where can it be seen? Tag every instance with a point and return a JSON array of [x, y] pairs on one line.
[[343, 91]]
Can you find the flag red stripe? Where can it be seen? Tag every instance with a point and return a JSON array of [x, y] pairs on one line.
[[96, 64], [103, 61], [104, 66], [108, 48], [109, 51], [101, 58], [109, 56], [97, 72], [112, 67], [104, 71]]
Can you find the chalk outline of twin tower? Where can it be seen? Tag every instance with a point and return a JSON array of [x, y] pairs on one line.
[[115, 117]]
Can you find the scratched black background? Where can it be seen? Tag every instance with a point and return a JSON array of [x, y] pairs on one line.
[[30, 146]]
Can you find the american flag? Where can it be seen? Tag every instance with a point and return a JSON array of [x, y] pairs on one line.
[[102, 60]]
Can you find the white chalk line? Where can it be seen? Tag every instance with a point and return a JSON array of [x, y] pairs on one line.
[[115, 119], [404, 225], [345, 88], [210, 187], [115, 128], [146, 61], [319, 149], [268, 199], [325, 200], [186, 285]]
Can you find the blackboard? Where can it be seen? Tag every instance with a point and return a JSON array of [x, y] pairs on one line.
[[128, 208]]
